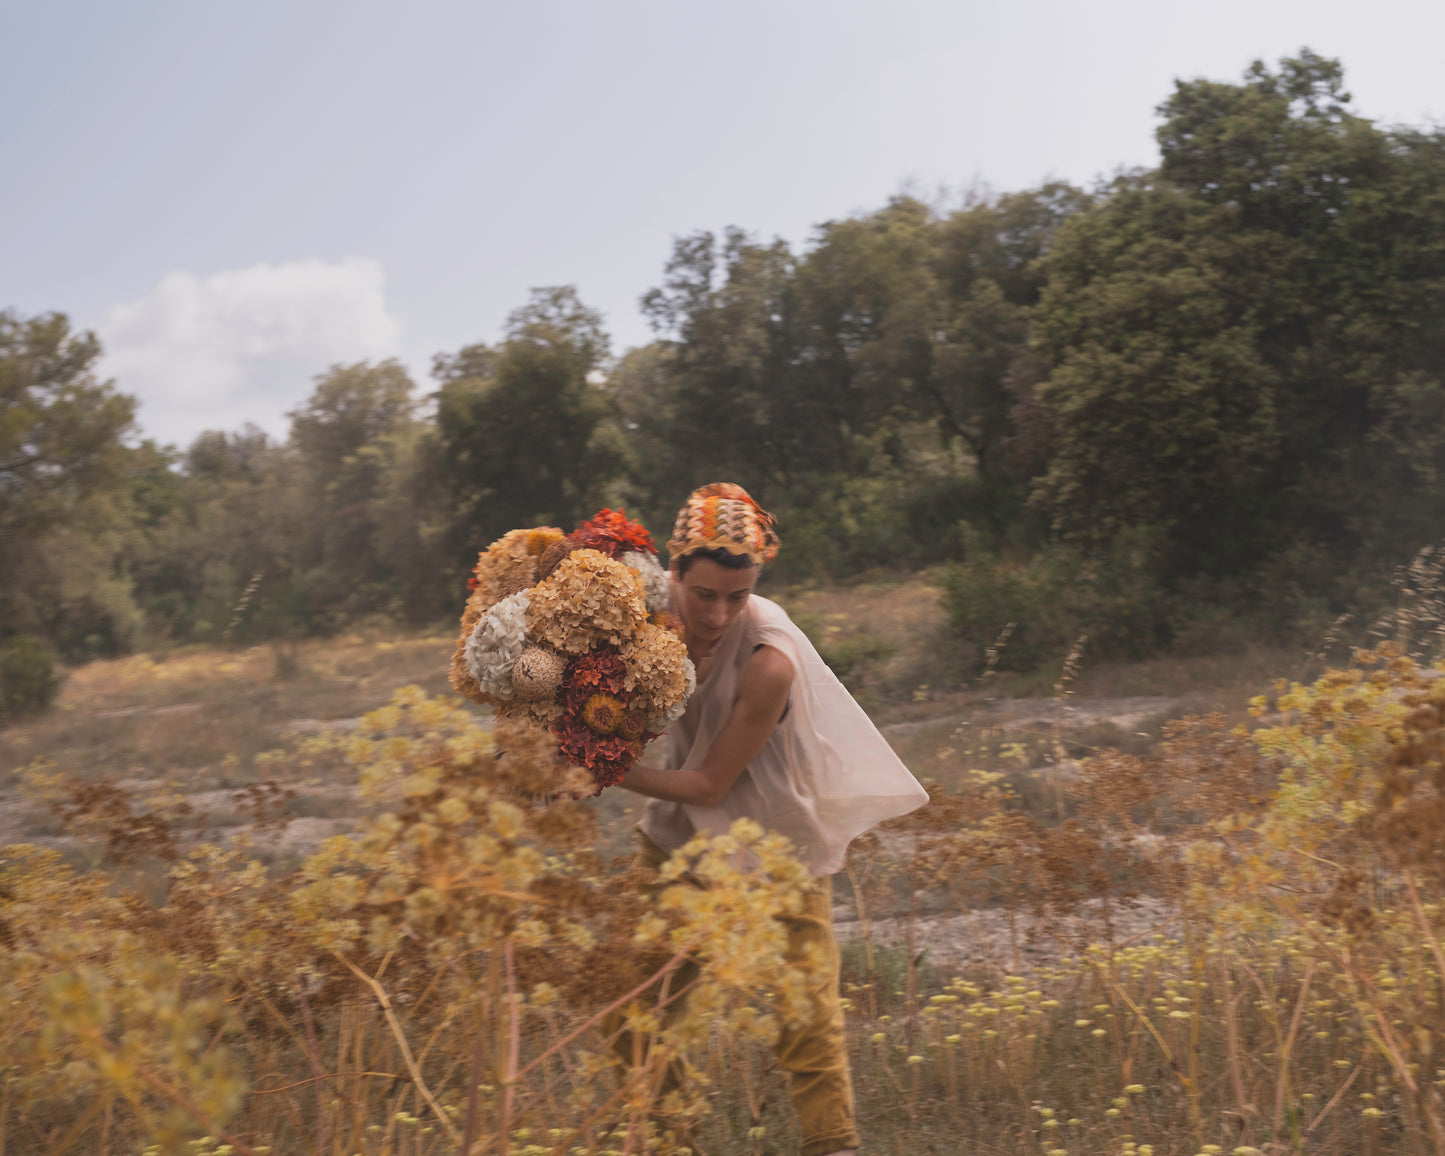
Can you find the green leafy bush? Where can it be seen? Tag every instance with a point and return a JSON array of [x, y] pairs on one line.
[[1032, 612], [28, 682]]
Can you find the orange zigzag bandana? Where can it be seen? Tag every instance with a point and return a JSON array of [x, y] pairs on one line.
[[724, 516]]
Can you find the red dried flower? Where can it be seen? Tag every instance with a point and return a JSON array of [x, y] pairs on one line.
[[608, 757], [612, 533], [598, 671]]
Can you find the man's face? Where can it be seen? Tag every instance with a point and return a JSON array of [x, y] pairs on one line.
[[711, 596]]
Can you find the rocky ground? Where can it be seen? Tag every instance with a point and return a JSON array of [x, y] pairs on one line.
[[319, 809], [195, 727], [1000, 942], [213, 808]]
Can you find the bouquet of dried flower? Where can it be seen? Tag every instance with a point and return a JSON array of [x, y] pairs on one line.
[[575, 633]]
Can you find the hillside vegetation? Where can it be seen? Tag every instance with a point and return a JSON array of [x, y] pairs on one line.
[[1192, 408], [1117, 508], [1226, 938]]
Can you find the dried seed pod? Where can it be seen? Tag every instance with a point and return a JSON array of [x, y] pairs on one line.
[[517, 580], [552, 557], [537, 673]]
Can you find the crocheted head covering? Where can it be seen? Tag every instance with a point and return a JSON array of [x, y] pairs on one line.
[[723, 516]]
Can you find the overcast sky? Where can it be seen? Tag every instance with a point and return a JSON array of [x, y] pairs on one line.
[[235, 196]]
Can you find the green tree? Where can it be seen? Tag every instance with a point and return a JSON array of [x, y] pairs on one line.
[[1236, 344], [337, 523], [868, 388], [984, 371], [64, 475], [247, 512], [728, 400], [916, 317], [352, 407], [62, 431], [355, 437], [525, 433]]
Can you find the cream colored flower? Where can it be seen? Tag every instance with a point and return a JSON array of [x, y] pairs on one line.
[[537, 674], [497, 641], [654, 580]]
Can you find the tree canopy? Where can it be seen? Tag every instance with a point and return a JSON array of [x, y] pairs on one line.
[[1221, 375], [1238, 342]]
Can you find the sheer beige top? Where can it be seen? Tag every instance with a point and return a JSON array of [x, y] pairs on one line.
[[824, 776]]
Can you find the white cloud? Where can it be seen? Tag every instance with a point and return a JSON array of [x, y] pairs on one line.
[[244, 344]]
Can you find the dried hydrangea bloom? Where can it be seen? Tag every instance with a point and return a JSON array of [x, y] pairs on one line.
[[654, 580], [508, 561], [590, 600], [543, 714], [659, 673], [496, 643], [460, 677], [674, 712]]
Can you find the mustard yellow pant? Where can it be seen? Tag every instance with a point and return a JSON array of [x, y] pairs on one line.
[[814, 1054]]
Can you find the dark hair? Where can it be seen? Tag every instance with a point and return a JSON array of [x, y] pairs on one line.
[[722, 557]]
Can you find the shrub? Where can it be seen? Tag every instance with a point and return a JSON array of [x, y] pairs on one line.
[[465, 940], [28, 682], [1061, 594], [1015, 611], [1232, 944]]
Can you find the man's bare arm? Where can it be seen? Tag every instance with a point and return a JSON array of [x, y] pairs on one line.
[[762, 696]]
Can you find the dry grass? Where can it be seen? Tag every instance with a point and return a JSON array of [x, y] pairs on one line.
[[1221, 941], [195, 721], [1287, 1001], [200, 709]]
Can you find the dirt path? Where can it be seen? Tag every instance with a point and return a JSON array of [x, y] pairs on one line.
[[1125, 714], [1008, 943]]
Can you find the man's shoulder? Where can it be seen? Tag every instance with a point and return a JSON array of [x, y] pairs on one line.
[[766, 612], [768, 673]]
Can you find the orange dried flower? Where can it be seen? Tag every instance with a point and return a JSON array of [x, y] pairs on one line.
[[510, 563], [613, 533], [603, 713], [608, 757]]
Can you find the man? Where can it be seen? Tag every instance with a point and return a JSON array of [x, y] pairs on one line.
[[770, 734]]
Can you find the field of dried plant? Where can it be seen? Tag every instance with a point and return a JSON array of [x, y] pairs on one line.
[[252, 902]]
